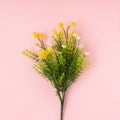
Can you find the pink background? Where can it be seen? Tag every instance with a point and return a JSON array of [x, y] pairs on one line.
[[24, 95]]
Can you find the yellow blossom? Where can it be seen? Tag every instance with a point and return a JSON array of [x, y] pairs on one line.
[[61, 33], [73, 23], [35, 35], [45, 53], [41, 36], [42, 54], [61, 25], [55, 31]]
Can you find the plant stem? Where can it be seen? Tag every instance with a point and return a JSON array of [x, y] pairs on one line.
[[62, 105]]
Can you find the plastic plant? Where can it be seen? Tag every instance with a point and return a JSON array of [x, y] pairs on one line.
[[62, 62]]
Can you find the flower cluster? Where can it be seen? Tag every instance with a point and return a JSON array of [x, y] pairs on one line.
[[62, 62], [40, 36]]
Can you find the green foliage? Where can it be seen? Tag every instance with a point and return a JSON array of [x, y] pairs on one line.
[[30, 54], [63, 62]]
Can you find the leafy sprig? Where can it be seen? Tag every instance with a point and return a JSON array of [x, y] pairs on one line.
[[62, 62]]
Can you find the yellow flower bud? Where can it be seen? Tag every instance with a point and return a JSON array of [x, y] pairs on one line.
[[61, 25], [41, 36], [35, 35], [55, 31], [61, 33], [42, 56], [73, 23]]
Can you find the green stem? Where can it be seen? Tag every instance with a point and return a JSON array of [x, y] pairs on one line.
[[59, 96], [65, 33], [62, 105]]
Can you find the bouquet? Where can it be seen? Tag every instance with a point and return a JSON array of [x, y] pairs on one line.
[[62, 62]]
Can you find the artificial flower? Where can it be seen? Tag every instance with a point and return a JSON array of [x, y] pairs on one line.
[[41, 36], [45, 53], [55, 31], [73, 23], [35, 35], [61, 25]]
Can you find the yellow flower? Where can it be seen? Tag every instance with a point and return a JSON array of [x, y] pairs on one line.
[[42, 54], [45, 53], [73, 23], [41, 36], [61, 25], [61, 33], [55, 31], [35, 35]]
